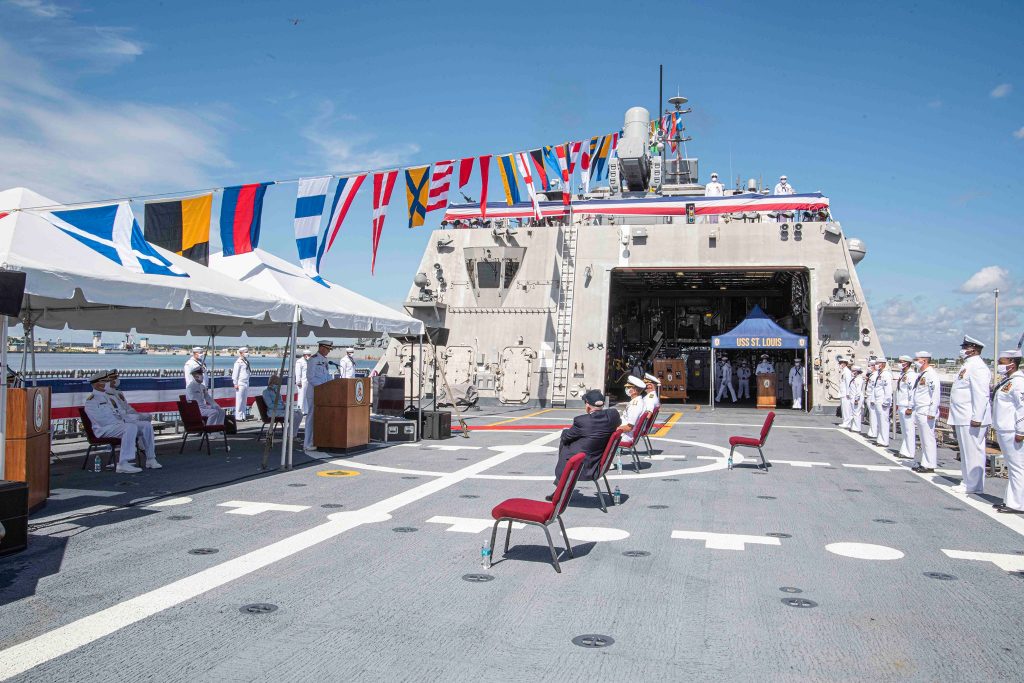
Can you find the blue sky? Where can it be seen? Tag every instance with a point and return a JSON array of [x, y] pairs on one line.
[[908, 116]]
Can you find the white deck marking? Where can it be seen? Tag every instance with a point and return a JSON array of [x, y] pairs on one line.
[[437, 447], [802, 463], [864, 551], [1008, 563], [31, 653], [353, 465], [69, 494], [725, 541], [170, 502], [469, 525], [676, 457], [245, 507], [1014, 522], [875, 468], [596, 533]]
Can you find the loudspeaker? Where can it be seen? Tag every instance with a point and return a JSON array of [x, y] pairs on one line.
[[437, 424], [13, 516], [12, 290]]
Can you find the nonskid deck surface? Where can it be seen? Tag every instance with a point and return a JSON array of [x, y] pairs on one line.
[[364, 559]]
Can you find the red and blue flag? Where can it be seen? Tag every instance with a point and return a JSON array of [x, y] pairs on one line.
[[240, 212]]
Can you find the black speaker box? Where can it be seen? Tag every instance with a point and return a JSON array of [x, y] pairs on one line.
[[437, 424], [12, 290], [13, 516]]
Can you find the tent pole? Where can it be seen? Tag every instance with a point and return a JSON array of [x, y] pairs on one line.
[[807, 378], [419, 398], [34, 380], [711, 391], [288, 445], [23, 368], [3, 397]]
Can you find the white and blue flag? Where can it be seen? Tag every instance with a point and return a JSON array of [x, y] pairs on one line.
[[113, 232], [309, 208]]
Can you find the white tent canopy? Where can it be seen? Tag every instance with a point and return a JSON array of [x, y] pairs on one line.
[[325, 308], [69, 284]]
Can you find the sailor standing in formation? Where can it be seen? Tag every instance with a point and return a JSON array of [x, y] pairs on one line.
[[347, 366], [796, 383], [856, 396], [108, 420], [318, 371], [904, 402], [195, 362], [869, 398], [197, 391], [147, 438], [783, 186], [883, 390], [970, 415], [301, 361], [743, 380], [925, 397], [725, 380], [1008, 420], [240, 375], [845, 402], [651, 399]]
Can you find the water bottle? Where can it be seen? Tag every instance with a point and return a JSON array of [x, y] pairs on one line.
[[97, 463], [730, 461], [485, 554], [617, 496], [618, 462]]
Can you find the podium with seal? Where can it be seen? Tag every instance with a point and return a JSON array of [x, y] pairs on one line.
[[28, 442], [766, 391], [341, 415]]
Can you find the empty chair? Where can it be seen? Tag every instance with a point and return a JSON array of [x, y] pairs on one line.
[[648, 428], [541, 512], [736, 441]]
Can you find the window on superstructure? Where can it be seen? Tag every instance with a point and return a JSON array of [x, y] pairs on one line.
[[488, 274], [511, 268]]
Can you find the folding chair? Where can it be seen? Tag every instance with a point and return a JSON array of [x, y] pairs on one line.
[[602, 470], [97, 441], [540, 512], [736, 441], [648, 428], [264, 413], [628, 441], [193, 422]]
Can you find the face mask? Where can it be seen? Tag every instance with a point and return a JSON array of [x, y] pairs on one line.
[[116, 383], [916, 365], [963, 354]]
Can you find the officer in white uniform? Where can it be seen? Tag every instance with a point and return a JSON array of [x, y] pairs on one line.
[[301, 361], [714, 189], [857, 398], [970, 415], [783, 186], [146, 438], [725, 380], [634, 409], [765, 367], [797, 379], [869, 398], [347, 366], [318, 371], [904, 385], [109, 421], [197, 391], [194, 362], [651, 399], [845, 393], [925, 398], [1008, 420], [240, 375], [883, 390], [743, 380]]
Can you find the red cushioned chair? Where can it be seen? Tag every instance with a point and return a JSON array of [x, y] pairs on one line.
[[193, 422], [96, 441], [647, 430], [602, 471], [540, 512], [735, 441], [629, 440]]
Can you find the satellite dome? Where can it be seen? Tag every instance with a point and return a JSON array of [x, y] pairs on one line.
[[858, 250]]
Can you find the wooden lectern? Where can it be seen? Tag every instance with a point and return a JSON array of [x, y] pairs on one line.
[[28, 441], [766, 391], [341, 413]]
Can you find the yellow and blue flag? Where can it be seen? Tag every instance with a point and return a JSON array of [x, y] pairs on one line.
[[507, 168], [417, 192]]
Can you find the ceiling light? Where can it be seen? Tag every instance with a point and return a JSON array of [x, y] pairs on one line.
[[723, 287]]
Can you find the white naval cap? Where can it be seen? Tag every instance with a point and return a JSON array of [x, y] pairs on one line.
[[971, 341], [923, 354], [764, 355], [842, 359], [782, 177], [1011, 353], [243, 349], [197, 349], [99, 376], [325, 342], [856, 368], [350, 350], [636, 382], [906, 359], [651, 378], [714, 175]]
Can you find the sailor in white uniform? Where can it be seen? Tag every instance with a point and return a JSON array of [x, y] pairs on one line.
[[783, 186], [970, 415], [869, 398], [845, 393], [857, 398], [725, 380], [634, 409], [797, 379], [347, 366], [197, 391], [146, 437], [765, 367], [714, 188], [925, 398], [743, 380], [883, 391], [301, 361], [1008, 420], [904, 386], [240, 375], [651, 385], [109, 421], [318, 371], [194, 362]]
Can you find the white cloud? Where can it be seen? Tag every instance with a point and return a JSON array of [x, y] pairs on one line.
[[935, 104], [1019, 133], [339, 152], [986, 279], [71, 147], [38, 8], [56, 34], [1001, 90]]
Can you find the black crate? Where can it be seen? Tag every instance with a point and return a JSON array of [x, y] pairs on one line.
[[391, 429], [437, 424], [14, 516]]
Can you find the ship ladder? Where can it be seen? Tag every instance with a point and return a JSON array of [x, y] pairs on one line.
[[563, 322]]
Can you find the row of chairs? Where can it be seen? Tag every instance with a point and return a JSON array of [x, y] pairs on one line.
[[544, 513]]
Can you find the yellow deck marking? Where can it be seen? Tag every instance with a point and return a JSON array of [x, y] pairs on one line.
[[523, 417], [337, 473], [668, 425]]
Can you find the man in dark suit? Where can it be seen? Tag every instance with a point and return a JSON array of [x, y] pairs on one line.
[[589, 434]]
